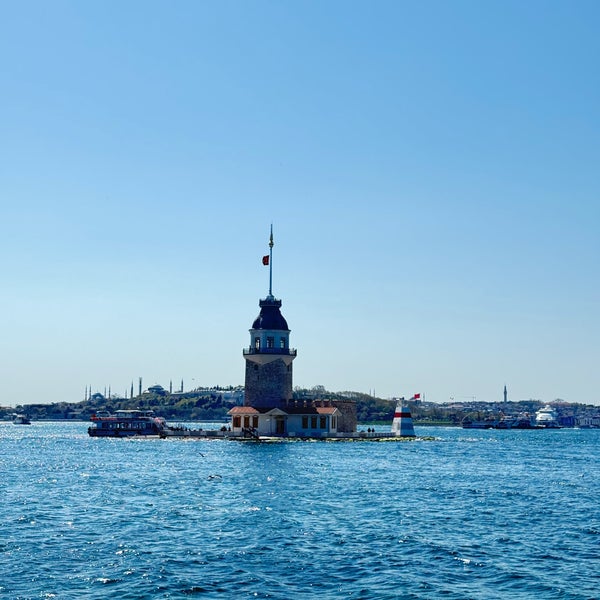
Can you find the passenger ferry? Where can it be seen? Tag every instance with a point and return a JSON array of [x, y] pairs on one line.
[[126, 423], [468, 423]]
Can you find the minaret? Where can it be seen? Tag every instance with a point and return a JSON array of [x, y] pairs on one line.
[[505, 395], [268, 382]]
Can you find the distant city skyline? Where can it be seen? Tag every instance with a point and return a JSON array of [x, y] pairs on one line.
[[108, 392], [430, 171]]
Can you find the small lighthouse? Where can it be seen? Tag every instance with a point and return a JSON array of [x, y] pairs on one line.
[[402, 425]]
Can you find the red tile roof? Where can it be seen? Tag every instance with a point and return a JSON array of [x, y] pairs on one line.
[[243, 410], [326, 410]]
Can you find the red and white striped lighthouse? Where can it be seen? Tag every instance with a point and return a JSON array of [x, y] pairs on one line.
[[402, 425]]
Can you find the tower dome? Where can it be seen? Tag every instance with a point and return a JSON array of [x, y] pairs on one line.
[[270, 316]]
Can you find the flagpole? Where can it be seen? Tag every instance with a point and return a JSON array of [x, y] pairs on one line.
[[271, 262]]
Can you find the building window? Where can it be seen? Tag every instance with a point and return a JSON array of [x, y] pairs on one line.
[[304, 422], [236, 421], [313, 422], [270, 342], [246, 421], [323, 423], [255, 421], [333, 422], [257, 343], [282, 343]]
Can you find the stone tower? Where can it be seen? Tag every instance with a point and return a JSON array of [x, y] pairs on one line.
[[268, 382]]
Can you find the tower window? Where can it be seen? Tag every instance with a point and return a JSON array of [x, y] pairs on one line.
[[257, 343], [282, 342], [270, 342]]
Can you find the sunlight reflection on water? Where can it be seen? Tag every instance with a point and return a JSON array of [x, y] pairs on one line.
[[460, 516]]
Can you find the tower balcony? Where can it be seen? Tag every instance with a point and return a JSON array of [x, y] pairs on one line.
[[279, 351]]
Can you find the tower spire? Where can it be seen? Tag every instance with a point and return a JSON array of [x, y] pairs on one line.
[[271, 263]]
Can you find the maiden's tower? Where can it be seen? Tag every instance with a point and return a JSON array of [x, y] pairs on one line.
[[269, 408]]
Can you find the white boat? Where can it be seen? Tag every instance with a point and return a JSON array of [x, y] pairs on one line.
[[21, 420], [546, 417]]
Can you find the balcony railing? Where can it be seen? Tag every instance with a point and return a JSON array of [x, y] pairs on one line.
[[282, 351]]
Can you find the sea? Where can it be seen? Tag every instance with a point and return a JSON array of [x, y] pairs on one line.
[[453, 514]]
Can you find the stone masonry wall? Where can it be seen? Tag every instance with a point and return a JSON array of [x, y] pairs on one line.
[[269, 385], [347, 420]]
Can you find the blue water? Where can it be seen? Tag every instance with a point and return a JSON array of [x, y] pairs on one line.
[[469, 514]]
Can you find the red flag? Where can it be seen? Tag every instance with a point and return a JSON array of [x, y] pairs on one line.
[[416, 396], [266, 260]]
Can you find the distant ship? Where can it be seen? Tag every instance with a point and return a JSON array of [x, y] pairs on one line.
[[21, 420], [521, 421], [469, 423], [547, 417]]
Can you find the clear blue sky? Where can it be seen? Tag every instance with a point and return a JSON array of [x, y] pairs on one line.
[[431, 170]]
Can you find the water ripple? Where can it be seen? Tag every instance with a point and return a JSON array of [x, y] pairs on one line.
[[491, 515]]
